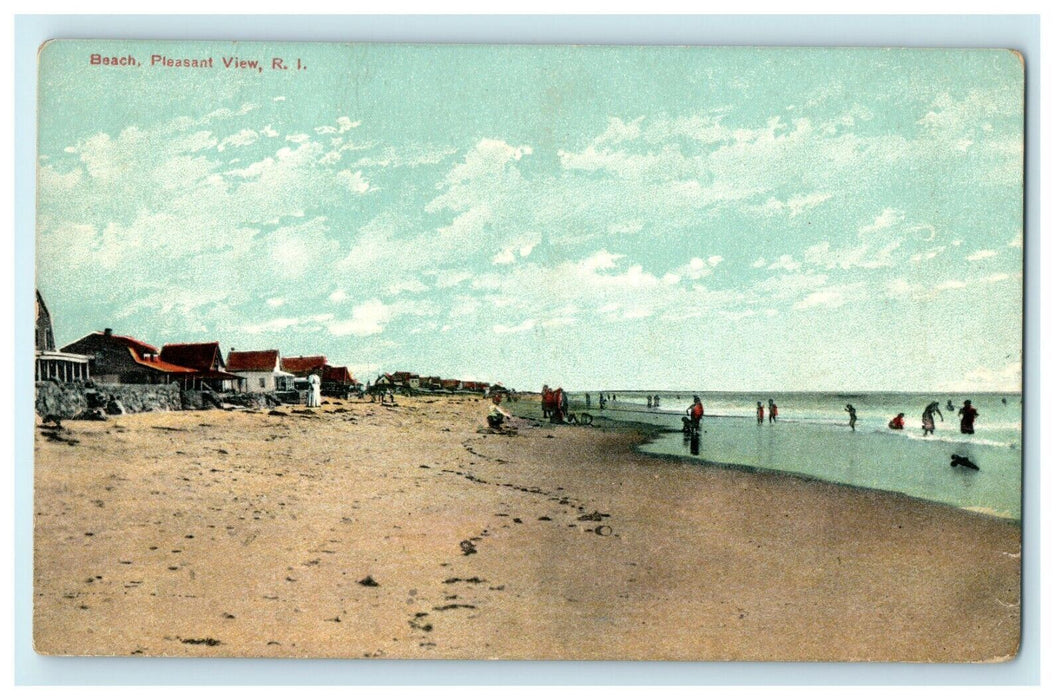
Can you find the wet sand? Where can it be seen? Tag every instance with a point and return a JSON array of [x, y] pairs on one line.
[[361, 530]]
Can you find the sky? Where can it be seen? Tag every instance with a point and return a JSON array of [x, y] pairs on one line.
[[593, 217]]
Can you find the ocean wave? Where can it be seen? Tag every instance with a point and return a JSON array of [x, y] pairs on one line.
[[915, 435]]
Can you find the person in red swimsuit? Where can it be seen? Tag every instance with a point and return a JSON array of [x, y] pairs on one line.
[[695, 412], [897, 422], [759, 412]]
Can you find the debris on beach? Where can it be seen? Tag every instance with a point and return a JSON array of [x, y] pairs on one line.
[[595, 516], [275, 412], [369, 581], [208, 641], [467, 547]]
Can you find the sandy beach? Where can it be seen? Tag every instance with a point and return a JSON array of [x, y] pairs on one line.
[[407, 531]]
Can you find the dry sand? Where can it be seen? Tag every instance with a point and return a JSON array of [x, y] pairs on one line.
[[342, 532]]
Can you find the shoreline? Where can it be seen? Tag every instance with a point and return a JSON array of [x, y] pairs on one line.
[[653, 431], [584, 547]]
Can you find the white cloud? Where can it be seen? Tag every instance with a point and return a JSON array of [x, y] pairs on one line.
[[887, 219], [337, 296], [368, 318], [831, 297], [786, 262], [355, 182], [519, 328], [275, 302], [1004, 378], [927, 254], [244, 137], [982, 255], [950, 284]]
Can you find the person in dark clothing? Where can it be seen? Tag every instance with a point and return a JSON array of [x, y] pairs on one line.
[[851, 415], [967, 414]]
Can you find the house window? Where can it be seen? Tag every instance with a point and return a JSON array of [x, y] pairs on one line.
[[261, 382]]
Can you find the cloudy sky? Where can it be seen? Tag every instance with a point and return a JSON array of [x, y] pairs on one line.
[[593, 217]]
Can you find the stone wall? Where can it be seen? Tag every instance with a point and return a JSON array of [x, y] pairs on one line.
[[75, 399]]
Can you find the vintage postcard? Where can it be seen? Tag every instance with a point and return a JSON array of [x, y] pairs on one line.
[[528, 352]]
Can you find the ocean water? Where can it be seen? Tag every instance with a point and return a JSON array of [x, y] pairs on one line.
[[812, 438]]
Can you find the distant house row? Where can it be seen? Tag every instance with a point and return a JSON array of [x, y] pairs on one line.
[[120, 359], [408, 381], [110, 358]]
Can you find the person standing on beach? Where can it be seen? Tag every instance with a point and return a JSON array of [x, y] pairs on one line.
[[695, 412], [772, 411], [313, 396], [588, 399], [851, 415], [547, 401], [601, 401], [966, 418], [928, 424], [759, 413]]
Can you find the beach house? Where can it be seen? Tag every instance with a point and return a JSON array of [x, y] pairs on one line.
[[52, 364], [337, 381], [121, 359], [206, 360], [304, 365], [260, 370]]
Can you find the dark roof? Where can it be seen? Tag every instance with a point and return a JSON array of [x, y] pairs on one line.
[[199, 356], [303, 365], [139, 346], [253, 361], [341, 375]]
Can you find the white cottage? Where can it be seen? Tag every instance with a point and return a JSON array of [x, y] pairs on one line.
[[260, 371]]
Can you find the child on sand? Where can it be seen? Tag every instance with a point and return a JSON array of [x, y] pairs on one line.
[[897, 422]]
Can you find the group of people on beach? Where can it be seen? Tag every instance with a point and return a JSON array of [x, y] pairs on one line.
[[771, 410], [554, 404], [967, 414]]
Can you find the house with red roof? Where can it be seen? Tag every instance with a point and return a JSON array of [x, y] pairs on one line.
[[121, 359], [337, 381], [206, 360], [304, 366], [260, 370]]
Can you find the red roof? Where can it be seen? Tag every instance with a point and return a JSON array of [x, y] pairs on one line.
[[340, 375], [253, 361], [303, 365], [159, 365], [201, 356]]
